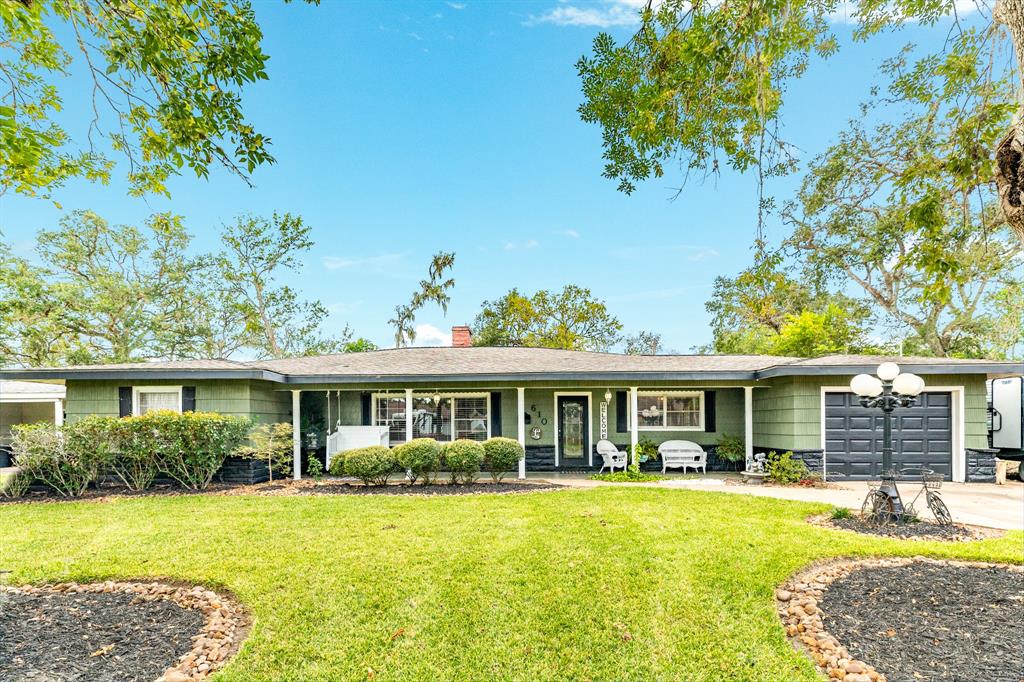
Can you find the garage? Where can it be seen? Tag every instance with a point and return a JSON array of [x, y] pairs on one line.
[[922, 436]]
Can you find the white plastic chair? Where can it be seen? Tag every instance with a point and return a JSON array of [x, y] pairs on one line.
[[682, 453], [611, 456]]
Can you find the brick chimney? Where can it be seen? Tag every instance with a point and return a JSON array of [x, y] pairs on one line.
[[461, 337]]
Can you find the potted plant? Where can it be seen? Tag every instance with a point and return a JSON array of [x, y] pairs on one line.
[[646, 450], [731, 449]]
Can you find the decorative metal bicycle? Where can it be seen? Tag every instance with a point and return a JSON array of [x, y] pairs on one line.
[[883, 506]]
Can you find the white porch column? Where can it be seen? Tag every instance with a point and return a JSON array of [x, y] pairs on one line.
[[634, 431], [408, 415], [58, 413], [296, 435], [521, 426], [748, 425]]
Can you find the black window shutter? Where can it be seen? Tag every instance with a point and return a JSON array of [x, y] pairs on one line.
[[124, 401], [709, 412], [496, 413], [621, 412], [367, 409], [188, 398]]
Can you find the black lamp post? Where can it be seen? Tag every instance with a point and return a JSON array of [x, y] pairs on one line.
[[887, 391]]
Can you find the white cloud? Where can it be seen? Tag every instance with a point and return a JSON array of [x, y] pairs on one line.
[[702, 254], [415, 36], [571, 234], [657, 294], [516, 246], [429, 335], [605, 14], [690, 252], [374, 263], [456, 5], [344, 307]]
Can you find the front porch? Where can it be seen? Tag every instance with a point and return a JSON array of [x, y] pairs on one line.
[[559, 426]]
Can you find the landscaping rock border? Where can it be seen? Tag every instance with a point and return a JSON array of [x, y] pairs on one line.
[[918, 531], [797, 606], [225, 623]]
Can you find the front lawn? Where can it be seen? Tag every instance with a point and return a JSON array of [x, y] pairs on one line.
[[606, 583]]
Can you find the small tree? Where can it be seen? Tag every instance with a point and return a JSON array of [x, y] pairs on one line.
[[271, 443]]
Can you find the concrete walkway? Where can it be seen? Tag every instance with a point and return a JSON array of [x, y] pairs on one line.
[[976, 504]]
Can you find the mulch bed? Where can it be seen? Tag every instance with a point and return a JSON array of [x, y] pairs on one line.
[[920, 530], [288, 487], [905, 620], [931, 621], [96, 637], [113, 631], [417, 489]]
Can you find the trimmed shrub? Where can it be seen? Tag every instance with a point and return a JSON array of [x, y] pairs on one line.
[[133, 443], [66, 459], [501, 455], [271, 443], [421, 457], [192, 447], [463, 458], [372, 465], [784, 469], [14, 483]]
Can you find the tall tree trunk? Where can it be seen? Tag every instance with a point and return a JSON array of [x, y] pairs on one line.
[[1010, 150]]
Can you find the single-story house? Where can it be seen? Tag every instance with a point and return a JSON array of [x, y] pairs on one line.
[[559, 403]]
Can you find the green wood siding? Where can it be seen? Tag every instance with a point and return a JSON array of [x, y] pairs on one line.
[[787, 410], [255, 399], [787, 414]]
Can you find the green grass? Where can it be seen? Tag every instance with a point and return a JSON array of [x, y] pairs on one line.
[[601, 584]]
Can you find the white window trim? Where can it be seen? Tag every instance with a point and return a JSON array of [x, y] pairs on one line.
[[958, 435], [138, 390], [674, 394], [430, 394], [590, 422]]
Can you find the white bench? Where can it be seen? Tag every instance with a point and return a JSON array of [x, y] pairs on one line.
[[682, 454]]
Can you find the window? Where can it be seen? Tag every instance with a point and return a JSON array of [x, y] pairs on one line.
[[471, 418], [150, 398], [391, 413], [441, 417], [671, 411]]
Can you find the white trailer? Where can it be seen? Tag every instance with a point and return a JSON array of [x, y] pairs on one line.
[[1007, 410]]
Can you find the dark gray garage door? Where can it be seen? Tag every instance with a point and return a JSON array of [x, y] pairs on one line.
[[922, 435]]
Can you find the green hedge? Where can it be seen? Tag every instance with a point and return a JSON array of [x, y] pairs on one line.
[[189, 447], [420, 457], [501, 455], [462, 458]]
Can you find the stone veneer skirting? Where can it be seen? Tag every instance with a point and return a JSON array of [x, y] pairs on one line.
[[981, 465]]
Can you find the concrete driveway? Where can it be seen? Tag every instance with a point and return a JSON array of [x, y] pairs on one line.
[[976, 504]]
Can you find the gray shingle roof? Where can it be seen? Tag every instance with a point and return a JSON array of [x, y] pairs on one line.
[[508, 361], [465, 364]]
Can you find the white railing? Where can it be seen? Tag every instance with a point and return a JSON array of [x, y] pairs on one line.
[[352, 437]]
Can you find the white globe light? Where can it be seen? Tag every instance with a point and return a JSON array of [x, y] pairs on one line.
[[908, 384], [866, 385], [887, 371]]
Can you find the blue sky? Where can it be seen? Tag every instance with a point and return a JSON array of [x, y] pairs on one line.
[[405, 128]]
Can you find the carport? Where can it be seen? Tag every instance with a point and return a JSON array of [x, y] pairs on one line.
[[26, 402]]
